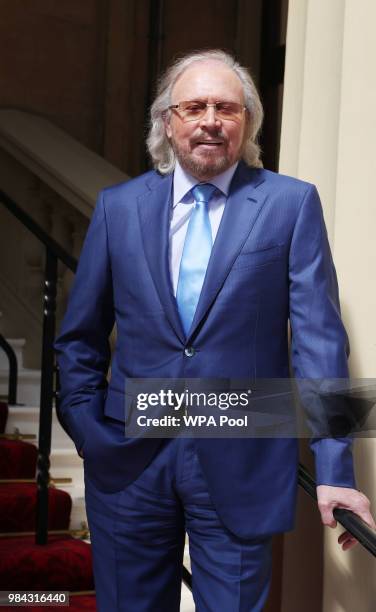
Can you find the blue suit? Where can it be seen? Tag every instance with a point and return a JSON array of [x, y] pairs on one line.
[[270, 263]]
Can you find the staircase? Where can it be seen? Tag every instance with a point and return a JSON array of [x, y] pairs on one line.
[[25, 418], [64, 564], [23, 565]]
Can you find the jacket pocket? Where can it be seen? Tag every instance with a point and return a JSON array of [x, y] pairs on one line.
[[74, 414], [118, 405], [262, 257]]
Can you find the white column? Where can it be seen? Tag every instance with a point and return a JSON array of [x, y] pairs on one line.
[[328, 136], [312, 96], [350, 579]]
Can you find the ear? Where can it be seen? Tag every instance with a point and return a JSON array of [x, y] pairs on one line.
[[167, 125]]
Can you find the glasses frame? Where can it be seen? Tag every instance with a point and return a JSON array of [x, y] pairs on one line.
[[207, 105]]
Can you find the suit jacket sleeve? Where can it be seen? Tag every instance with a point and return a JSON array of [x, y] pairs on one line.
[[83, 350], [320, 347]]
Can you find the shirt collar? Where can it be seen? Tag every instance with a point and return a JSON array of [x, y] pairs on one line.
[[183, 182]]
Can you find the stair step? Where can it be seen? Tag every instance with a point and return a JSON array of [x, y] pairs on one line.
[[65, 462], [18, 508], [26, 419], [18, 459], [28, 389], [186, 603], [82, 602], [64, 564], [78, 513]]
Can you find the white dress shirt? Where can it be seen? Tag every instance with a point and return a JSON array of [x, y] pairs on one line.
[[182, 205]]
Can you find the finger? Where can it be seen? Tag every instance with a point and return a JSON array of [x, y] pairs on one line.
[[327, 516], [367, 518], [347, 541], [343, 537], [362, 507], [346, 536]]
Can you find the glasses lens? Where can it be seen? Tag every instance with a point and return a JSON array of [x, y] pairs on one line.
[[194, 110], [232, 111]]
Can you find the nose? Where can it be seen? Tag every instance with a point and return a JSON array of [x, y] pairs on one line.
[[210, 119]]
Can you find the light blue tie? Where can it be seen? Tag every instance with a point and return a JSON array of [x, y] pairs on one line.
[[196, 253]]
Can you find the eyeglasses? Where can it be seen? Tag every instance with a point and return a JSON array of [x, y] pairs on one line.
[[194, 110]]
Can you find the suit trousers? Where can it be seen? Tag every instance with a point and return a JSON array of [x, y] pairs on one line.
[[138, 537]]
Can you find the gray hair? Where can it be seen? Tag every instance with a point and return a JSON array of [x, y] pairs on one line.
[[158, 144]]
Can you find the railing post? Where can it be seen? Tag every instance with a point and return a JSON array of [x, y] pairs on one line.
[[46, 397], [13, 370]]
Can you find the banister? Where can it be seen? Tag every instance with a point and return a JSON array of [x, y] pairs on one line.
[[28, 222], [13, 370]]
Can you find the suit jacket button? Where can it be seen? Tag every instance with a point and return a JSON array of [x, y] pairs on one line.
[[189, 351]]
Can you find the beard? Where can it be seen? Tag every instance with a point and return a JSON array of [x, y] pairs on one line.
[[206, 165]]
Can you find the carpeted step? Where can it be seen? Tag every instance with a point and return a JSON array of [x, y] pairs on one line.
[[18, 459], [81, 602], [64, 564], [18, 508], [3, 416]]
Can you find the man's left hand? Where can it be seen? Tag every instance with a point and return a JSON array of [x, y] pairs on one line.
[[329, 497]]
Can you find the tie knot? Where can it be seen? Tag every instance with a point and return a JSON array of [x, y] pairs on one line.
[[203, 192]]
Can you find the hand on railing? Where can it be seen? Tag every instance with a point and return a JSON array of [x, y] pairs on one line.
[[329, 498]]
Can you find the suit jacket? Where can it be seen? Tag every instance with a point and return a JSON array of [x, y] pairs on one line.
[[270, 264]]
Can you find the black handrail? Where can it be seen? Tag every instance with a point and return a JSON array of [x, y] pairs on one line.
[[13, 370], [187, 577], [55, 252], [46, 395], [38, 232], [350, 521]]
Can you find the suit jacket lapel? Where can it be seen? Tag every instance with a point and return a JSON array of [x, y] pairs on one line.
[[241, 211], [154, 214]]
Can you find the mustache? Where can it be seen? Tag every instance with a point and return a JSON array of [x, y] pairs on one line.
[[217, 137]]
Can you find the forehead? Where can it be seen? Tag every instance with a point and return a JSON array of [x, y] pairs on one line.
[[208, 80]]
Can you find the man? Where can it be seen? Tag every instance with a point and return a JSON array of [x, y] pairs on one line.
[[201, 263]]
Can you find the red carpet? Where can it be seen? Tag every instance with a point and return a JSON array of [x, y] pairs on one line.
[[18, 508], [64, 564], [18, 459], [82, 602]]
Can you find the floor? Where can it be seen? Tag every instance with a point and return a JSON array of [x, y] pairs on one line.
[[187, 604]]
